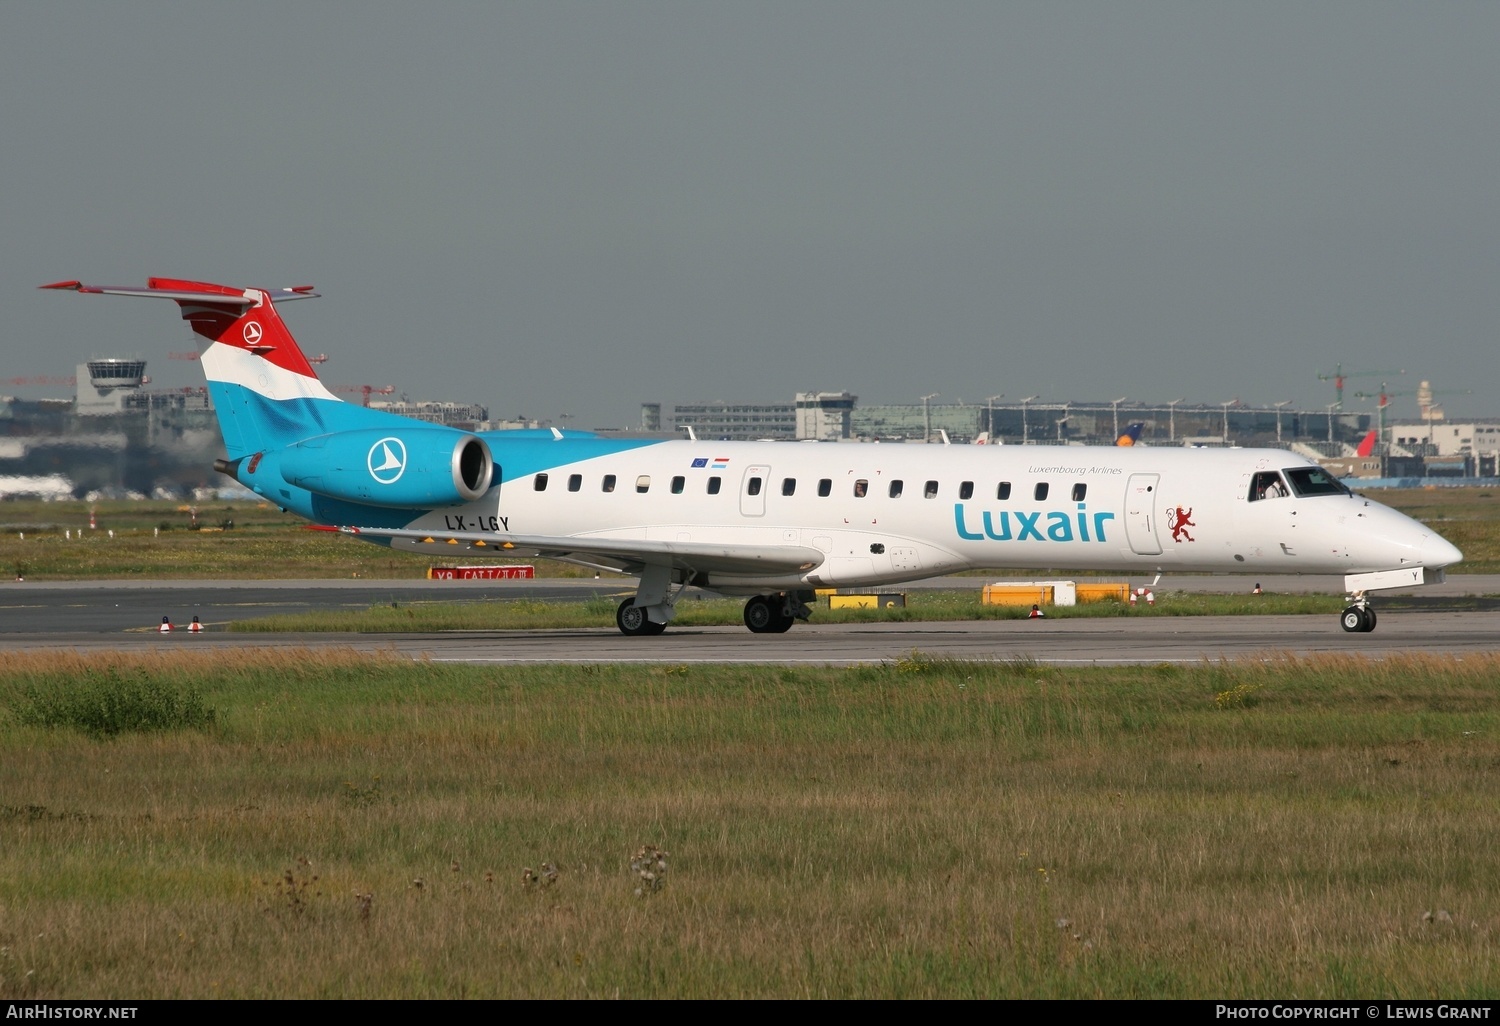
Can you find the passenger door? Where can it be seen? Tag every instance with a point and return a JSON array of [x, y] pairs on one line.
[[1140, 514], [753, 491]]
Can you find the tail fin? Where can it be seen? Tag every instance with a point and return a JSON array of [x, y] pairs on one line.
[[264, 390], [1366, 445], [1131, 434]]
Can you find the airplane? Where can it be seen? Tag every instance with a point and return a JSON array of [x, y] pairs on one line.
[[773, 521]]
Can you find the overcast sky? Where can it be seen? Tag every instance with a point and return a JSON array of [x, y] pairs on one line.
[[570, 208]]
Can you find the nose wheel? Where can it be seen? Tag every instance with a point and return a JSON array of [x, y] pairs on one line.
[[1358, 619]]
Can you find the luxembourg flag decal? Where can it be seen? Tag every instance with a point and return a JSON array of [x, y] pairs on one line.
[[720, 463]]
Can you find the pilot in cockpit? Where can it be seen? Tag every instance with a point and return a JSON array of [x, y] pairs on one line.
[[1267, 484]]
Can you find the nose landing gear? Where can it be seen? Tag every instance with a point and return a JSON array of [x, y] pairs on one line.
[[1359, 618]]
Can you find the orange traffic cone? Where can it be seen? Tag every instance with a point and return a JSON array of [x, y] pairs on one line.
[[166, 626], [195, 626]]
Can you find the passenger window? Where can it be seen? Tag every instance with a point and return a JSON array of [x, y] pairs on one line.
[[1041, 491], [713, 486], [1003, 492], [575, 482], [966, 490], [643, 483], [1079, 491], [678, 483], [609, 482], [896, 487], [860, 488], [929, 491], [788, 485], [540, 484], [752, 487], [825, 487]]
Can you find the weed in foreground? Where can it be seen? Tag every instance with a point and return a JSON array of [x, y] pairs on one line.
[[649, 864], [109, 701], [290, 895], [538, 879], [1239, 695]]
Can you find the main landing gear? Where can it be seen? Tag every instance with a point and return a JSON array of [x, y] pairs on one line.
[[775, 614], [764, 614], [633, 621], [1359, 618]]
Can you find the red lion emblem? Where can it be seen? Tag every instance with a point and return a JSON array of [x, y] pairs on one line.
[[1179, 520]]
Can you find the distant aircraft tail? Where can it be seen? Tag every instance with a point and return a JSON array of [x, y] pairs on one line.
[[1131, 434], [1366, 445], [265, 391]]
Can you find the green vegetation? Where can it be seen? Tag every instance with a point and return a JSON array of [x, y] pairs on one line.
[[358, 826], [105, 701], [158, 540], [922, 606]]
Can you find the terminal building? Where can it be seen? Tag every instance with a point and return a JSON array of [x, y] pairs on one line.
[[837, 416]]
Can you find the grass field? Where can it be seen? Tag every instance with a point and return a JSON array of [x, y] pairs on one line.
[[332, 825], [156, 540]]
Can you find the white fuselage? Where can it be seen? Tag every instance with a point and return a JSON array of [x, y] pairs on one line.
[[886, 513]]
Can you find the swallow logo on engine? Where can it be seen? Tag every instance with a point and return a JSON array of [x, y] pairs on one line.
[[387, 460]]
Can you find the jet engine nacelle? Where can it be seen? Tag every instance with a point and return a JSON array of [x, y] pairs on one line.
[[397, 467]]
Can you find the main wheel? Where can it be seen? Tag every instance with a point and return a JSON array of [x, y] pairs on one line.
[[1369, 619], [764, 615], [633, 622], [1356, 620]]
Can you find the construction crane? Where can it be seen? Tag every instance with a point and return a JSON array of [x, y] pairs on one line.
[[365, 390], [1338, 377]]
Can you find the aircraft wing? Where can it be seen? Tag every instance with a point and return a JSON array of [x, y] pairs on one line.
[[627, 554]]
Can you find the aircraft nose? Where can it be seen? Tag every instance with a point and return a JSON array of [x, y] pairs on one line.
[[1439, 552]]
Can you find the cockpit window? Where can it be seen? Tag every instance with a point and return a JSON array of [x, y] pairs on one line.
[[1267, 484], [1314, 481]]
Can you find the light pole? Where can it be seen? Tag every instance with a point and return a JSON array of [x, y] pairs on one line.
[[927, 417], [991, 424], [1172, 416], [1278, 418], [1029, 399], [1227, 405], [1062, 422], [1114, 407], [1331, 408]]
